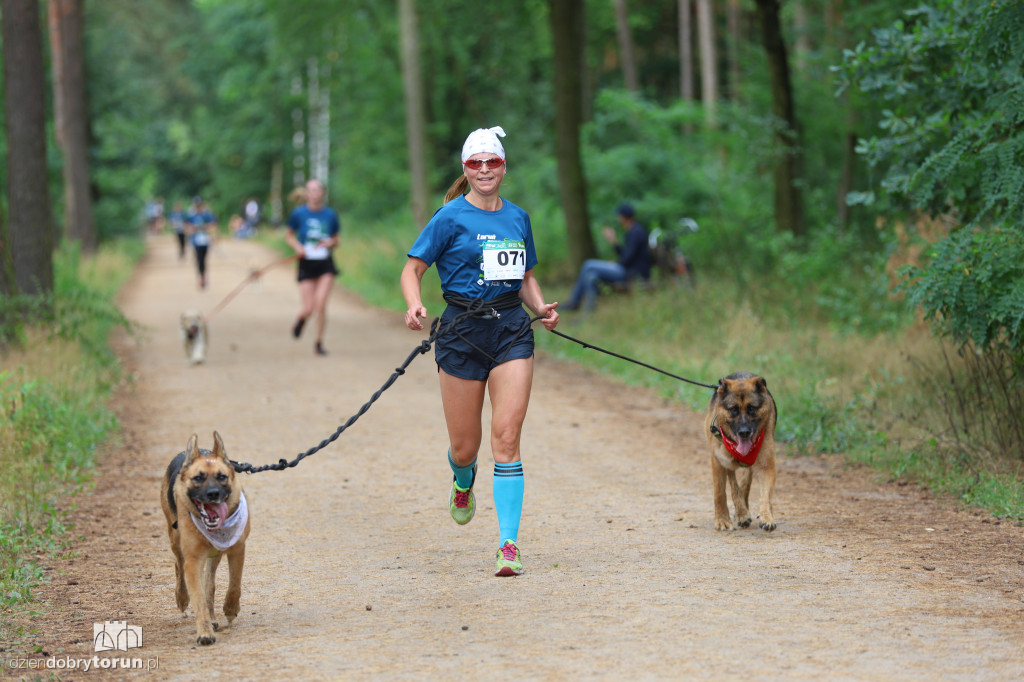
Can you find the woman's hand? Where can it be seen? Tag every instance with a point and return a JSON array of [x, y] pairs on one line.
[[548, 315], [412, 317]]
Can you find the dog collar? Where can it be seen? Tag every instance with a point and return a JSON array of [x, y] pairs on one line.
[[730, 446]]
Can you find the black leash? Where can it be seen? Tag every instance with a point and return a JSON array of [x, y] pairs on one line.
[[635, 362], [472, 308], [477, 308]]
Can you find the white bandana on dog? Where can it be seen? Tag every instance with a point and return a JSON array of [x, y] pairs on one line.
[[230, 530], [484, 140]]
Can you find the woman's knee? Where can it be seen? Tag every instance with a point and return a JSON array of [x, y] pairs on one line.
[[505, 441], [464, 450]]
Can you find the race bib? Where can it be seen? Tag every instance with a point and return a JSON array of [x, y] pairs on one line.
[[315, 252], [504, 260], [314, 233]]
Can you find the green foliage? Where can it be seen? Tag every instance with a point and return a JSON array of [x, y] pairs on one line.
[[951, 113], [973, 288], [837, 280], [951, 142]]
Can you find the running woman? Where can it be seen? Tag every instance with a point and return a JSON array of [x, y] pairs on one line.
[[482, 245], [314, 232]]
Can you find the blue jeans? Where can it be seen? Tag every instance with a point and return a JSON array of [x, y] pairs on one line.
[[591, 274]]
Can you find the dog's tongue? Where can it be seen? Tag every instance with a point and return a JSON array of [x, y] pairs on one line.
[[743, 446], [217, 511]]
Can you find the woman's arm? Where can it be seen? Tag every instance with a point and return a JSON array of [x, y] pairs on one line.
[[412, 277], [289, 236], [534, 300]]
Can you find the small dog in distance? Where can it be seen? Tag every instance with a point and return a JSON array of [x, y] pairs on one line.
[[194, 336]]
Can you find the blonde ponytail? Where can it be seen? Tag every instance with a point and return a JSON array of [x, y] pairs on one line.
[[457, 189]]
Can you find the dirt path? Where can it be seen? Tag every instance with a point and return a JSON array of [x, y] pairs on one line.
[[355, 571]]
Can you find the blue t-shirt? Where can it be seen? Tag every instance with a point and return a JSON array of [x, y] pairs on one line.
[[200, 221], [479, 254], [312, 226]]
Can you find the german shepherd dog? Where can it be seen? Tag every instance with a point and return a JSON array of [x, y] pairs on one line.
[[194, 336], [740, 430], [207, 517]]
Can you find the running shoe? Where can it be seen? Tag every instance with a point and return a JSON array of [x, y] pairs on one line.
[[462, 502], [509, 561], [297, 329], [319, 349]]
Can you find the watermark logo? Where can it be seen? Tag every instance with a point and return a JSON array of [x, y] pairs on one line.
[[109, 635], [116, 636]]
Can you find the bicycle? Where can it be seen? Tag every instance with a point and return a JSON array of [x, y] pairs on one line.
[[667, 252]]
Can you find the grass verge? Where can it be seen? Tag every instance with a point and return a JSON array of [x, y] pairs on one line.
[[56, 377]]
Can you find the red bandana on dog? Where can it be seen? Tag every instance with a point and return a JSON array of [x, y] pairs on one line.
[[734, 450]]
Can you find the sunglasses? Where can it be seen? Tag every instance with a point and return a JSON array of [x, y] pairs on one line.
[[477, 164]]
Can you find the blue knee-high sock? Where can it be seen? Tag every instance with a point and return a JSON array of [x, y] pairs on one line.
[[508, 498], [463, 475]]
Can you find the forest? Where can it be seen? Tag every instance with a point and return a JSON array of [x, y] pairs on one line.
[[855, 171]]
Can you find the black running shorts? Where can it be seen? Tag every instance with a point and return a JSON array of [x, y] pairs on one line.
[[313, 269], [506, 338]]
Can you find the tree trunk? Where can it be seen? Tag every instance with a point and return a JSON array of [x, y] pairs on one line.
[[788, 201], [686, 56], [685, 51], [626, 52], [276, 192], [566, 17], [415, 108], [319, 121], [28, 198], [735, 20], [802, 40], [7, 286], [848, 169], [72, 119], [708, 66], [300, 166]]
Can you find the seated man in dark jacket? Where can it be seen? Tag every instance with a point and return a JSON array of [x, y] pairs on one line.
[[634, 262]]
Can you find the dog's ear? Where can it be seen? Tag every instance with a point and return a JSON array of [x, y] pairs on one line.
[[218, 447], [723, 388], [191, 450], [762, 385]]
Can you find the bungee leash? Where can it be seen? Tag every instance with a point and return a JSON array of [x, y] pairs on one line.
[[254, 275], [471, 308], [481, 309]]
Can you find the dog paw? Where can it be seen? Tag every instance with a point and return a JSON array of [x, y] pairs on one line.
[[215, 625], [723, 525], [767, 525], [745, 523], [205, 640]]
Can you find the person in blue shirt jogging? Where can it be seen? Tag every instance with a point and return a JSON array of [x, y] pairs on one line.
[[202, 227], [483, 248], [314, 231]]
